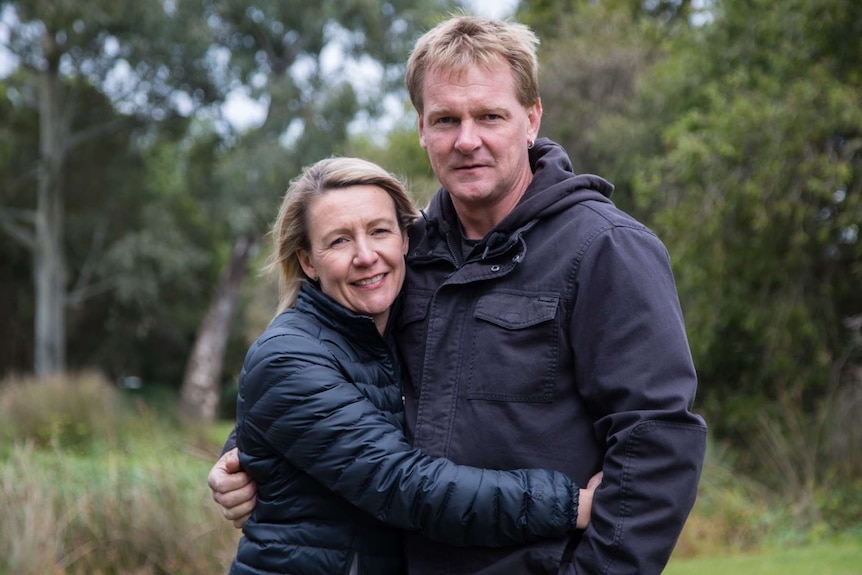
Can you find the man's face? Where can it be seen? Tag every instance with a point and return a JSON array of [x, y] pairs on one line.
[[476, 133]]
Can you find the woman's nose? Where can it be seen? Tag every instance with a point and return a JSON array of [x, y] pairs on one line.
[[365, 254]]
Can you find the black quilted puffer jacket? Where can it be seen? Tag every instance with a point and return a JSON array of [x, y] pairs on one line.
[[319, 429]]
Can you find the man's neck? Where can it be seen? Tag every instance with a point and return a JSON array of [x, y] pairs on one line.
[[478, 220]]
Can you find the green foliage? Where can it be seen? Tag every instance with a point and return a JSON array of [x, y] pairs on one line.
[[589, 73], [747, 161], [127, 495], [157, 264], [81, 412], [552, 18], [403, 155], [732, 512], [155, 200], [68, 414], [739, 140], [758, 193]]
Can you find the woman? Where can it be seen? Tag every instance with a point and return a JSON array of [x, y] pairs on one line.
[[319, 409]]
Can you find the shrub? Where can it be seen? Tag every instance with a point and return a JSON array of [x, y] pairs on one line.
[[68, 412], [132, 502], [731, 513]]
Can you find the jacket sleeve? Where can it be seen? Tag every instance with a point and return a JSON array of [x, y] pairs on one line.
[[229, 443], [634, 369], [301, 406]]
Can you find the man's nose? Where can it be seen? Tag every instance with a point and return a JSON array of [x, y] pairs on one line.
[[468, 138]]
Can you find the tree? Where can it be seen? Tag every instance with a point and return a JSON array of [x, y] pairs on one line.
[[749, 159], [282, 52], [145, 60], [594, 55]]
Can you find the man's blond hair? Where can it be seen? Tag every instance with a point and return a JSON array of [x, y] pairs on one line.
[[460, 42]]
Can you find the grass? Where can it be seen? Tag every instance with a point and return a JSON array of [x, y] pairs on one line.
[[832, 558], [104, 486], [96, 481]]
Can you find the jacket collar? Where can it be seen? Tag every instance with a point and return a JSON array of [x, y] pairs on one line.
[[333, 315]]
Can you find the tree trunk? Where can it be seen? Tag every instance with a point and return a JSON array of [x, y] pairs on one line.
[[49, 262], [201, 383]]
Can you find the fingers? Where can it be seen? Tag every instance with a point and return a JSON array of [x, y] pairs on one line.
[[226, 475], [237, 502], [595, 480], [232, 488], [585, 503], [237, 505], [231, 460], [240, 514]]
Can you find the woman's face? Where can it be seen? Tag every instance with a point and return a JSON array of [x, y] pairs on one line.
[[357, 249]]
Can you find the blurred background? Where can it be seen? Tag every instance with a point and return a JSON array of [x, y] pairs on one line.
[[144, 150]]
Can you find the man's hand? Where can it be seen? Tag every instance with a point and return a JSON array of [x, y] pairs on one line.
[[232, 488], [585, 500]]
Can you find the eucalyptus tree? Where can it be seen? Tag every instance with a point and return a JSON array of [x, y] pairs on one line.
[[316, 70], [151, 60]]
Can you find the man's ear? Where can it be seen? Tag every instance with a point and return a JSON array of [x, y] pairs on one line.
[[534, 117]]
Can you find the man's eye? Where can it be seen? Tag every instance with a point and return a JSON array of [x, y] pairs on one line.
[[337, 241], [446, 120]]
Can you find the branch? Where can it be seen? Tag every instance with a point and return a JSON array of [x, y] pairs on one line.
[[31, 173], [11, 222], [101, 130], [89, 265], [79, 295]]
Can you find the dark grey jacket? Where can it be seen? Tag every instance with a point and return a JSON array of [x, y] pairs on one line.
[[318, 427], [558, 343]]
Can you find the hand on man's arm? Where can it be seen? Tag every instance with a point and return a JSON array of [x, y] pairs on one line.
[[585, 500], [233, 489]]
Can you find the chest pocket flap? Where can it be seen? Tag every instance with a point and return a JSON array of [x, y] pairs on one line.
[[513, 311]]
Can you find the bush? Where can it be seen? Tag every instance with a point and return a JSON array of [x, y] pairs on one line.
[[124, 492], [64, 412], [731, 513]]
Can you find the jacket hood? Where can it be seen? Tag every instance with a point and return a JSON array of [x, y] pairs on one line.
[[554, 188]]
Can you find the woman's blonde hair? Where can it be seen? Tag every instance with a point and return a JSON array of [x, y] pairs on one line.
[[290, 231], [460, 42]]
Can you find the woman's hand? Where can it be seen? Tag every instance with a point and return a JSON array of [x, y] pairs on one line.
[[585, 500], [234, 489]]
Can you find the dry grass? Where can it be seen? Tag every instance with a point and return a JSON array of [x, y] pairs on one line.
[[102, 501]]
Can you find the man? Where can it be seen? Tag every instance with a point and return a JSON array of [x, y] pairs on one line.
[[539, 324]]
